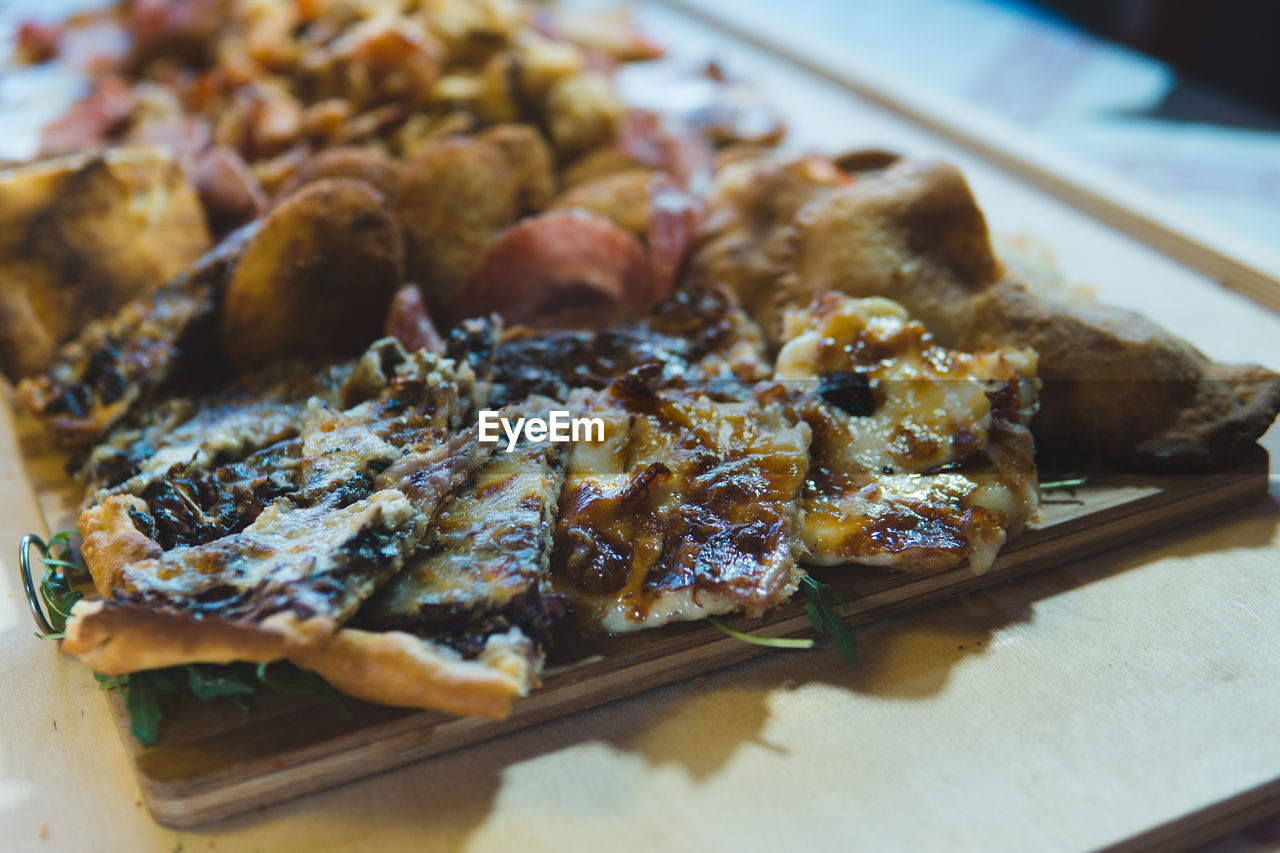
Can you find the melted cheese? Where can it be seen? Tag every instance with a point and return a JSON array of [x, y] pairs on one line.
[[941, 469], [688, 508]]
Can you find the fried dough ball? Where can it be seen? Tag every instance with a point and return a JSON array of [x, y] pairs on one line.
[[317, 277], [622, 198], [529, 157], [581, 111], [540, 62], [913, 233], [599, 163], [455, 196], [743, 240], [383, 59]]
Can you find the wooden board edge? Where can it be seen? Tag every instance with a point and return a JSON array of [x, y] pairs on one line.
[[1205, 825], [420, 735]]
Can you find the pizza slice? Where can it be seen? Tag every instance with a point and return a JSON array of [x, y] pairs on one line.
[[921, 456], [274, 552], [687, 508], [696, 336], [465, 626]]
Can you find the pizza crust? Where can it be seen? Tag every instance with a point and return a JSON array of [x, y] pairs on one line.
[[112, 543], [115, 639], [397, 668]]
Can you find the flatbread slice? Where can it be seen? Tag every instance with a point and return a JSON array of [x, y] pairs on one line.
[[921, 456], [688, 508], [465, 626], [227, 575]]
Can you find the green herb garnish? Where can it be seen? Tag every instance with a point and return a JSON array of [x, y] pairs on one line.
[[756, 639], [820, 601], [63, 571], [148, 692], [1066, 483], [825, 620]]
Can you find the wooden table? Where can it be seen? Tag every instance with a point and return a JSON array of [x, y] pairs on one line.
[[1132, 697]]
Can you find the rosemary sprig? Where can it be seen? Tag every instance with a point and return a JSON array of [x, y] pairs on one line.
[[1066, 483], [756, 639], [819, 603], [63, 571]]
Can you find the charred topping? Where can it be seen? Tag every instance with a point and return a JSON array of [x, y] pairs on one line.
[[850, 391], [192, 509]]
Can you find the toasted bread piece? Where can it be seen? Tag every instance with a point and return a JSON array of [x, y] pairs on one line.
[[317, 278], [81, 236], [1117, 386]]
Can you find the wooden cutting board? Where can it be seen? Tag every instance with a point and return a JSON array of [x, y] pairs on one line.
[[213, 761]]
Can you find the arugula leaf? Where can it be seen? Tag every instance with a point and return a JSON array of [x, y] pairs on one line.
[[211, 682], [147, 692], [824, 618], [110, 682], [756, 639], [303, 683], [144, 710]]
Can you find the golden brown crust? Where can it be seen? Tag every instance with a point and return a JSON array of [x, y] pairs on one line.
[[292, 292], [80, 237], [622, 198], [912, 233], [112, 543], [363, 164], [529, 158], [396, 668], [743, 241], [115, 639], [455, 197], [1118, 386]]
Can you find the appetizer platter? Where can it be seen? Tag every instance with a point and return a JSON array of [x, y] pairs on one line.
[[315, 245]]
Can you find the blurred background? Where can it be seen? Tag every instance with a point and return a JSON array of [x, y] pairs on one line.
[[1180, 95]]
